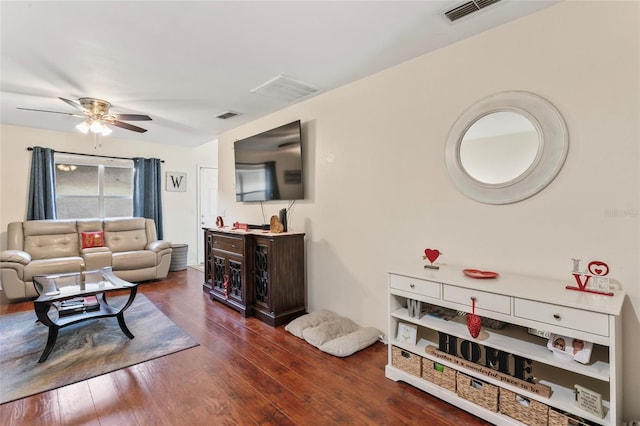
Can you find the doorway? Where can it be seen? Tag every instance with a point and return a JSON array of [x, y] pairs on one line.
[[208, 201]]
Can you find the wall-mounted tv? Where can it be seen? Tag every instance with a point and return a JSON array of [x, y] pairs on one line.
[[269, 165]]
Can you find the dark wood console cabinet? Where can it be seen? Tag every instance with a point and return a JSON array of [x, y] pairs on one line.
[[256, 273]]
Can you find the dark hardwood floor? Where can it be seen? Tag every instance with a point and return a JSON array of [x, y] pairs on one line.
[[243, 372]]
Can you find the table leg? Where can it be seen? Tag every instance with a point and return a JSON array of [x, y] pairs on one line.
[[123, 326], [51, 341]]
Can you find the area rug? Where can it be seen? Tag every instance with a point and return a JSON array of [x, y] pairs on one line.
[[83, 350]]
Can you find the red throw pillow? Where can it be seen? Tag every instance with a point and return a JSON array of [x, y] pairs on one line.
[[92, 239]]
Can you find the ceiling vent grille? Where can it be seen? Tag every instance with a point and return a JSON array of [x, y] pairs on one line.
[[226, 115], [285, 88], [467, 8]]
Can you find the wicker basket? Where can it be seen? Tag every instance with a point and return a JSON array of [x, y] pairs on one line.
[[559, 419], [477, 391], [528, 411], [439, 374], [406, 361]]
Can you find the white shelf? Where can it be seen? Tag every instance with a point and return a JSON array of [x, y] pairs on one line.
[[515, 344], [525, 287], [396, 374], [561, 397], [521, 302], [450, 397]]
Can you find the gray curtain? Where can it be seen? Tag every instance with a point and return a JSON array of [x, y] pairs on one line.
[[42, 185], [147, 191]]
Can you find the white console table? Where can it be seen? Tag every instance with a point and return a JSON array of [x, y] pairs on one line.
[[522, 302]]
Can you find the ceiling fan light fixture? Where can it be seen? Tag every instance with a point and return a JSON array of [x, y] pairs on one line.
[[83, 127], [96, 116], [96, 126], [106, 131]]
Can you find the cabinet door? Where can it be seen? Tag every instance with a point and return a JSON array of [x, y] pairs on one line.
[[277, 278], [260, 277], [236, 285], [219, 273], [228, 277], [208, 260]]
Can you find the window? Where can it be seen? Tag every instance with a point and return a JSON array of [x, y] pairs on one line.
[[93, 187]]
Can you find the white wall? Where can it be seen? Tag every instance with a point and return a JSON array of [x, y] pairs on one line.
[[378, 192], [180, 208]]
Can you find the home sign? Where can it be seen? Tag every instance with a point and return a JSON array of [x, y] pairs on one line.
[[499, 365], [504, 362]]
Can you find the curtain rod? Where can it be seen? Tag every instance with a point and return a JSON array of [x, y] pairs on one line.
[[90, 155]]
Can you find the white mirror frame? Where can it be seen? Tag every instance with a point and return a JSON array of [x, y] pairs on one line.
[[552, 152]]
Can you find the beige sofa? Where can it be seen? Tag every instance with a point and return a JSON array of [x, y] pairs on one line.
[[36, 247]]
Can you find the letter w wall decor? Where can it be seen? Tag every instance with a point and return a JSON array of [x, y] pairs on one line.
[[176, 182]]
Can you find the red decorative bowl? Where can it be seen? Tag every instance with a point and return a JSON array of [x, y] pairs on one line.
[[475, 273]]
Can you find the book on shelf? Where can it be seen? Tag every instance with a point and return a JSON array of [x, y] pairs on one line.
[[91, 303], [78, 305]]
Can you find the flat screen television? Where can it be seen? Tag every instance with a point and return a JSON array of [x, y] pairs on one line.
[[269, 165]]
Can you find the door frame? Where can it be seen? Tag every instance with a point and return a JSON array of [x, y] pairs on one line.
[[199, 232]]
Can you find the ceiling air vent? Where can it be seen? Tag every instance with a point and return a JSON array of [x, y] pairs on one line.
[[227, 114], [285, 88], [467, 8]]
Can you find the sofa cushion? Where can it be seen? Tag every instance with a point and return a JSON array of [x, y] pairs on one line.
[[124, 224], [85, 225], [60, 265], [48, 227], [124, 235], [128, 260], [92, 239], [45, 239]]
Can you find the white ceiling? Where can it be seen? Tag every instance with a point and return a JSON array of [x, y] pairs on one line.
[[183, 63]]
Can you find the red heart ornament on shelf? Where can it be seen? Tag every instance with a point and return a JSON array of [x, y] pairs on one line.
[[474, 323], [431, 254], [600, 269]]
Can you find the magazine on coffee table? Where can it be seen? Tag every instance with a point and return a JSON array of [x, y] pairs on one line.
[[78, 305]]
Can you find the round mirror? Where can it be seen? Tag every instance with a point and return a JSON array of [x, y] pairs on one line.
[[499, 147], [506, 147]]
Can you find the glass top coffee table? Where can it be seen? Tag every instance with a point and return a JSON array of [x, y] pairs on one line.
[[67, 299]]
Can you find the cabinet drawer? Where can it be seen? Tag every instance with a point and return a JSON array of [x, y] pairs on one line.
[[487, 301], [576, 319], [233, 245], [425, 288]]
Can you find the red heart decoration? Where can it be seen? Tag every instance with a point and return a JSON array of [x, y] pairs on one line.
[[598, 268], [432, 255], [474, 324]]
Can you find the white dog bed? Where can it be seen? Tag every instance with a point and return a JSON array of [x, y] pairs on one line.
[[333, 333]]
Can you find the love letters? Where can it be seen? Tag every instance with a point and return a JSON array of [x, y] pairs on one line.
[[593, 279]]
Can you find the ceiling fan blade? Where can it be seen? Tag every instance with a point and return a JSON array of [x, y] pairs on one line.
[[55, 112], [72, 103], [127, 126], [132, 117]]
